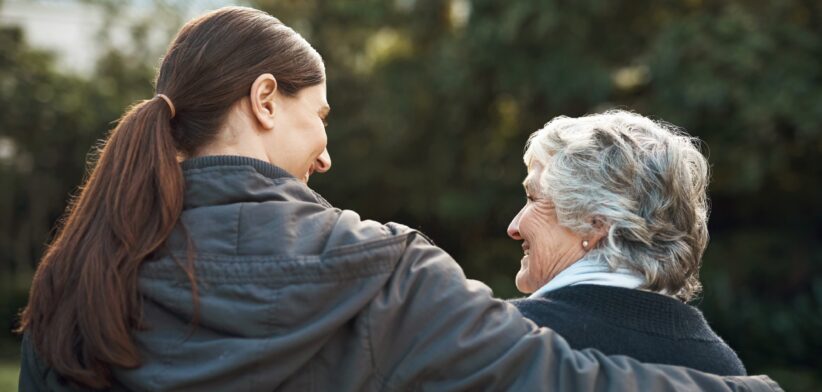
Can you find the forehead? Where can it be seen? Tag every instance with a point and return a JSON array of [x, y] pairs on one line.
[[314, 95], [531, 182]]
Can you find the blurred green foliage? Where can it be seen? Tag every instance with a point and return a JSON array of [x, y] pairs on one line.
[[9, 374], [433, 102]]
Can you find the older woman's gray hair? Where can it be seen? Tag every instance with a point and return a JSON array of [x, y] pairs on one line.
[[645, 180]]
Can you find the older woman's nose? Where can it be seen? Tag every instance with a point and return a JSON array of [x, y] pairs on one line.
[[513, 228], [323, 163]]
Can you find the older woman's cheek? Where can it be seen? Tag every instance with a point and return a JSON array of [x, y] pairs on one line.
[[535, 269]]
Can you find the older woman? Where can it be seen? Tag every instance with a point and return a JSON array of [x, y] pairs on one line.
[[613, 232]]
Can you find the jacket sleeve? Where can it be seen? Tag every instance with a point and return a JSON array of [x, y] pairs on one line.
[[432, 329], [35, 375], [31, 375]]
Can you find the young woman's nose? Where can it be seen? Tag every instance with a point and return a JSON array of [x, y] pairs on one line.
[[323, 162]]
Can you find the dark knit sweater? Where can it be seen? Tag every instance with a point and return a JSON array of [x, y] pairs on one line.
[[647, 326]]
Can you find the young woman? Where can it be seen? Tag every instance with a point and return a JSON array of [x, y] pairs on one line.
[[197, 258]]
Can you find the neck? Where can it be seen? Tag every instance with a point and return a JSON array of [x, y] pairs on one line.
[[238, 136], [239, 150]]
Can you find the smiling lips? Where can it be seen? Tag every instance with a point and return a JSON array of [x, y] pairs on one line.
[[525, 248]]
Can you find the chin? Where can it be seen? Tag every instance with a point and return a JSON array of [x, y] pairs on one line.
[[521, 282]]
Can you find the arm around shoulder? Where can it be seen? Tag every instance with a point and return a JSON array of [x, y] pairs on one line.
[[431, 328]]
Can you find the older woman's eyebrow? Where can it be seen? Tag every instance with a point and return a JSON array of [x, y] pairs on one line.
[[528, 184]]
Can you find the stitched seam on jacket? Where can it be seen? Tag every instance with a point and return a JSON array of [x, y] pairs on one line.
[[387, 381], [381, 380], [332, 254], [265, 269], [273, 315], [237, 237], [262, 276]]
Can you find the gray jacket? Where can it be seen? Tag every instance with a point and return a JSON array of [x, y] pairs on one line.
[[297, 295]]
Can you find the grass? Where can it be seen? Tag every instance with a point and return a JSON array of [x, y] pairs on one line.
[[9, 373], [13, 294]]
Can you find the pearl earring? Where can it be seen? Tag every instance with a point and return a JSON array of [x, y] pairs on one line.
[[585, 244]]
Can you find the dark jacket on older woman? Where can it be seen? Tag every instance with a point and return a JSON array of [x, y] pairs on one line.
[[648, 326]]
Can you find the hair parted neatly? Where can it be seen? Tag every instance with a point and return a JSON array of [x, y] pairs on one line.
[[645, 180], [84, 303]]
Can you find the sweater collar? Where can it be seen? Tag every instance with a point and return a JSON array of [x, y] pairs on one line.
[[635, 309]]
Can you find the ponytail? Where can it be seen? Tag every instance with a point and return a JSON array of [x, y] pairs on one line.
[[126, 210]]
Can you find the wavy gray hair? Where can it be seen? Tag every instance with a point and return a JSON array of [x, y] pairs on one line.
[[645, 180]]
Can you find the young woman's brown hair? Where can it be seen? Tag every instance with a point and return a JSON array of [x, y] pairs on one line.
[[84, 300]]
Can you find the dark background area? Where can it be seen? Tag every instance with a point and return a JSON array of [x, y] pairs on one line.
[[433, 102]]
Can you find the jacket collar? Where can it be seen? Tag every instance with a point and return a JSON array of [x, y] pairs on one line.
[[228, 179], [271, 171]]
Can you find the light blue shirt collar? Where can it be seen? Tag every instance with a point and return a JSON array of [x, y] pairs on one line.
[[589, 271]]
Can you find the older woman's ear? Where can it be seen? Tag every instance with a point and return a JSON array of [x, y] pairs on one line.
[[600, 229]]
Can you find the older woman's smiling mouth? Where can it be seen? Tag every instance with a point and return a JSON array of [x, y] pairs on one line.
[[525, 248]]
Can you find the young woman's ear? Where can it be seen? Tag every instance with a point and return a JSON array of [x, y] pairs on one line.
[[262, 98]]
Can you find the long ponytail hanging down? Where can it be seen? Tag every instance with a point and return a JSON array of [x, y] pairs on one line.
[[125, 211]]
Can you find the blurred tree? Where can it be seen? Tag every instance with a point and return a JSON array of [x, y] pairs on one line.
[[433, 101], [50, 122], [44, 126]]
